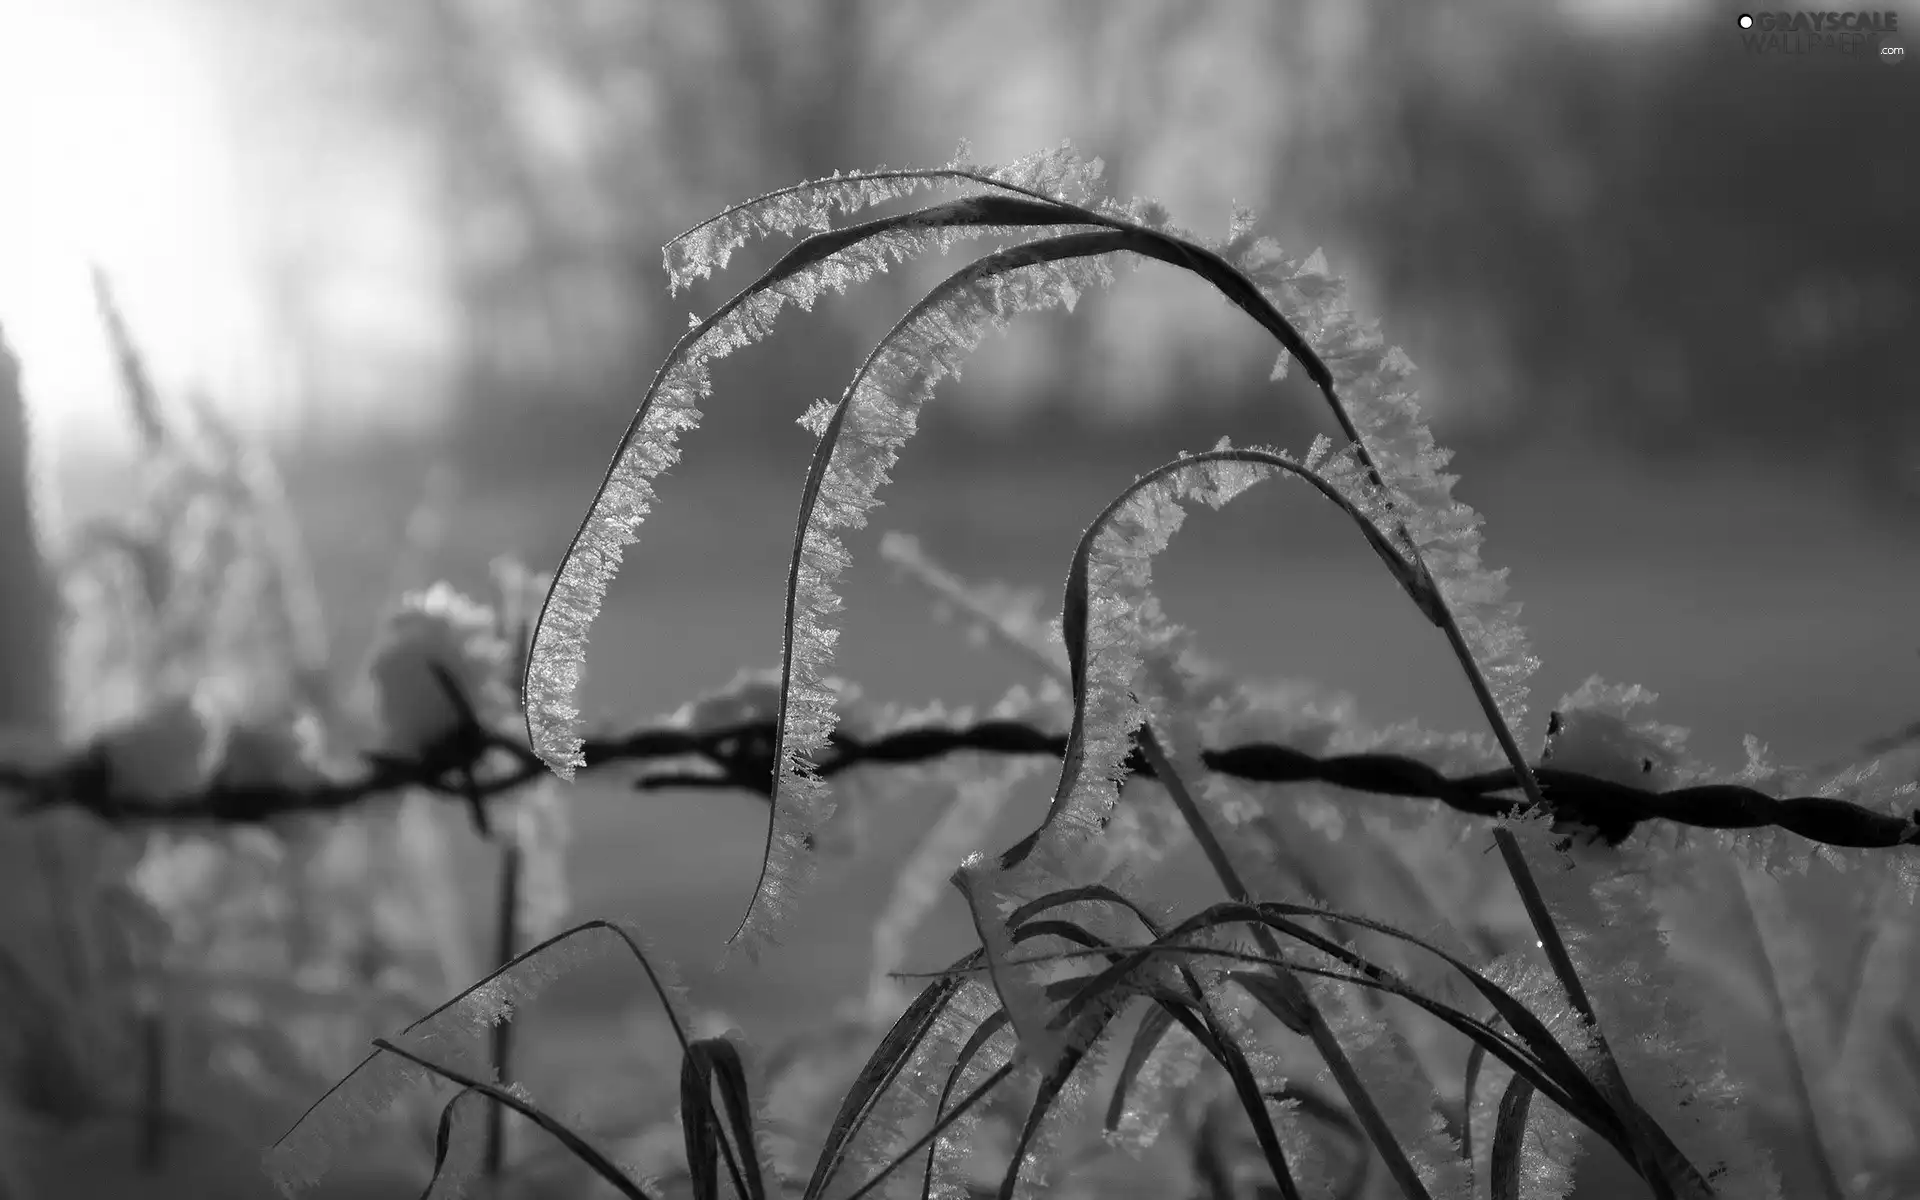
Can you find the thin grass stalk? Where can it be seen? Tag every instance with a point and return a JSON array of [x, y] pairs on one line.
[[979, 1093], [153, 1087], [1436, 608], [581, 1149], [1324, 1042], [1795, 1062], [506, 937], [1551, 943], [1877, 924]]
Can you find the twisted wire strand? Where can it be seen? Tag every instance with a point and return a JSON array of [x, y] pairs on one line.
[[739, 757]]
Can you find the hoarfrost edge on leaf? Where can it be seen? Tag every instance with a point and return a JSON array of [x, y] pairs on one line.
[[670, 407]]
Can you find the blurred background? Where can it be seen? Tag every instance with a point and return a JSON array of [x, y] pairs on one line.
[[1664, 293]]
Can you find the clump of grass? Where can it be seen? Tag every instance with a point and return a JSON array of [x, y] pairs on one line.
[[1074, 965]]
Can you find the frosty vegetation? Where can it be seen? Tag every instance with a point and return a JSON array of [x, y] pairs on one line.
[[1371, 1008]]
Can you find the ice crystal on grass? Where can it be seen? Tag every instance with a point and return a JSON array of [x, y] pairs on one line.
[[1552, 1142], [948, 1158], [916, 1087], [1059, 173], [1392, 1074], [671, 406], [1170, 1067], [1669, 1055], [1372, 382], [826, 262], [1228, 1005]]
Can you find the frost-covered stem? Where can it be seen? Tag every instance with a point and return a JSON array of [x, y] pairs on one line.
[[153, 1091], [940, 1126], [1551, 943], [1789, 1051], [1318, 1031], [1877, 924], [506, 938]]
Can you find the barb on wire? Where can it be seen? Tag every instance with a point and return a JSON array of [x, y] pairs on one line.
[[480, 763]]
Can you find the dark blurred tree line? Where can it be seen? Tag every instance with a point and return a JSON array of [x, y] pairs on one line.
[[1634, 233], [1668, 242]]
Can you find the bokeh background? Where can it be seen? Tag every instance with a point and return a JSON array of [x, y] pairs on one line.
[[1663, 292]]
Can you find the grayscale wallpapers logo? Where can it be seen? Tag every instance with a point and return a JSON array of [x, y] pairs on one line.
[[1862, 35]]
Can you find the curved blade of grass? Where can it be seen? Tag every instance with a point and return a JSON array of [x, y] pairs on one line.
[[1475, 1058], [1051, 1087], [1282, 994], [834, 261], [939, 1127], [1111, 985], [1553, 1073], [1157, 1020], [859, 443], [582, 580], [1287, 1004], [443, 1146], [700, 1131], [1075, 607], [1485, 624], [1314, 1105], [706, 1061], [1556, 1073], [300, 1156], [594, 1160], [1247, 1089], [1561, 1074], [975, 1043], [1193, 1016], [1509, 1129], [593, 554], [881, 1068], [1052, 175], [1146, 1039], [1084, 797], [1488, 1039], [1590, 1109], [1077, 895], [1545, 1051], [1608, 1112]]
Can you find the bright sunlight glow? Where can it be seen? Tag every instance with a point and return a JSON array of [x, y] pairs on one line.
[[112, 152]]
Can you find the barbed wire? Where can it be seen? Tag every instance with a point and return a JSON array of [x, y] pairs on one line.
[[475, 764]]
